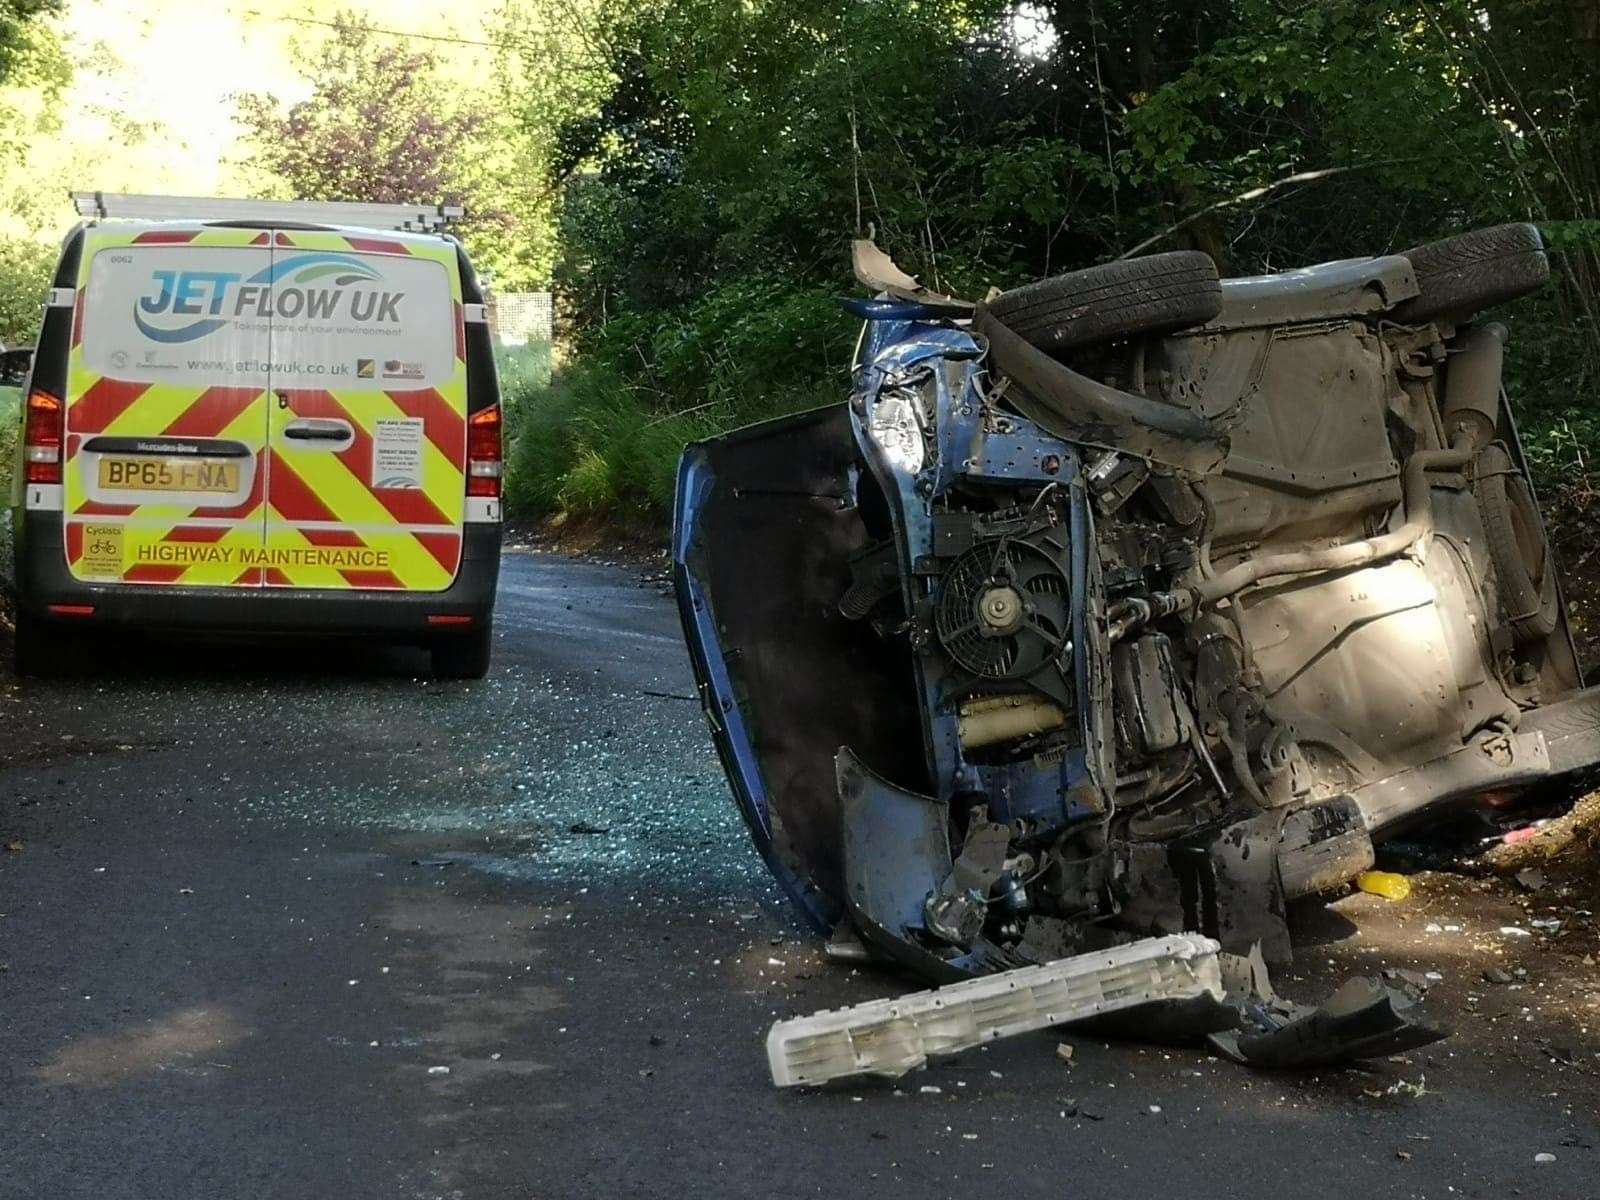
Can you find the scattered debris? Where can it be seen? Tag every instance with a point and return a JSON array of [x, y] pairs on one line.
[[1496, 975], [891, 1037], [1514, 931], [1564, 1055], [1417, 980], [1363, 1019], [438, 1070], [1400, 1087], [1384, 883], [1544, 1157], [1532, 878], [1178, 988], [1562, 847]]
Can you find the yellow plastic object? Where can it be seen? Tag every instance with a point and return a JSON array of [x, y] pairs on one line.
[[1384, 883]]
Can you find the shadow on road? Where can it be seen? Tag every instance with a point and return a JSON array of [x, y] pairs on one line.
[[128, 655]]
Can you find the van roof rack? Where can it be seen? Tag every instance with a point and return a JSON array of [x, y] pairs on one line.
[[420, 218]]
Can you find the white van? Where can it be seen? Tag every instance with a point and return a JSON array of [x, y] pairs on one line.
[[249, 417]]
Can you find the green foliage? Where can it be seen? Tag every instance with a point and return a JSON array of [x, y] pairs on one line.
[[589, 444], [19, 24], [715, 157], [604, 437], [385, 123], [524, 371], [25, 270], [34, 72], [10, 432]]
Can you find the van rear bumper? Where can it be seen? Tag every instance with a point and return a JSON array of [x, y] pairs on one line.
[[43, 580]]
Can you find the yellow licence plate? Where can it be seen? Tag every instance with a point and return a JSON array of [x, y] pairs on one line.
[[145, 474]]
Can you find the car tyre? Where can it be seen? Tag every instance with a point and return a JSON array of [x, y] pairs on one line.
[[1463, 275], [1157, 294], [464, 657], [1523, 563]]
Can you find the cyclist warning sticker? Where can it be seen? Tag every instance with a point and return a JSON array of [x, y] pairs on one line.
[[397, 453], [102, 551]]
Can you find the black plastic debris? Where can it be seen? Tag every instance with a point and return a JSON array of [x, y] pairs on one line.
[[1363, 1019]]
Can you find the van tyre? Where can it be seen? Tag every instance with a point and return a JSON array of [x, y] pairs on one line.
[[1158, 294], [1523, 564], [1463, 275], [37, 648], [464, 657]]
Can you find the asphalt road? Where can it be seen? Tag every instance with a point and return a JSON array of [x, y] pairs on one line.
[[299, 923]]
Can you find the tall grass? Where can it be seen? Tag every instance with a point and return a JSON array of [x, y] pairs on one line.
[[594, 444], [523, 370]]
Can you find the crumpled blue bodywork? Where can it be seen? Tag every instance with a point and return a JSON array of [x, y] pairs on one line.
[[968, 450], [971, 454]]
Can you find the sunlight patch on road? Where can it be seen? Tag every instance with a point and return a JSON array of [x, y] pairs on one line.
[[185, 1039]]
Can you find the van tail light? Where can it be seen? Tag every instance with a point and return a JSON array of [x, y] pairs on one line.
[[41, 438], [484, 464]]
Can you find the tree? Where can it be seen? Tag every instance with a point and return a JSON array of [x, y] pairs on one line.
[[33, 73], [714, 157], [18, 22], [25, 270], [384, 124]]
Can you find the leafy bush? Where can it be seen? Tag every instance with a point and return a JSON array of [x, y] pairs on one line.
[[10, 414], [25, 270], [590, 445], [604, 436]]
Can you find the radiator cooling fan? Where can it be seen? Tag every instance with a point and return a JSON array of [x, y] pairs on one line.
[[1003, 613]]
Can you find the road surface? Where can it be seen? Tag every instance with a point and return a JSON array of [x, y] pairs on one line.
[[301, 923]]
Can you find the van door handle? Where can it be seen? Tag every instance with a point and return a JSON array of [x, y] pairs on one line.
[[320, 433]]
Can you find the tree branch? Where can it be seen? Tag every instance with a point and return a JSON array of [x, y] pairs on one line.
[[1257, 193]]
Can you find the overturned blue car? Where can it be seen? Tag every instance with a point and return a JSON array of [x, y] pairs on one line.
[[1129, 602]]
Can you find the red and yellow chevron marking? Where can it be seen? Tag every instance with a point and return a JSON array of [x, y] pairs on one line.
[[413, 536], [110, 407], [311, 520]]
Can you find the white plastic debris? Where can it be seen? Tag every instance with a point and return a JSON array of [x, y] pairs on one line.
[[891, 1037]]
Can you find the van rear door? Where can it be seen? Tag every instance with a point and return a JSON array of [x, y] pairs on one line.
[[366, 463], [167, 407]]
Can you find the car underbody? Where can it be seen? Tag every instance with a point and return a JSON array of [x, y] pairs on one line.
[[1131, 603]]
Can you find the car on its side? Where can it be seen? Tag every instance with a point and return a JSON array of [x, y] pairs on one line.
[[1132, 601], [250, 418]]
